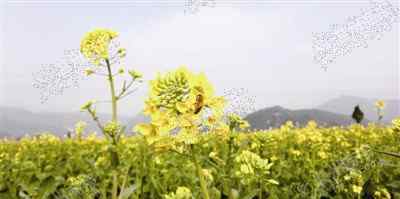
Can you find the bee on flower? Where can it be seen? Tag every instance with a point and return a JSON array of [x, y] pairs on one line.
[[178, 99]]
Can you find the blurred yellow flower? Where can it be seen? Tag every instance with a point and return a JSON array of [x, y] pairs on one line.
[[322, 154], [380, 104], [208, 175], [246, 169], [382, 193], [146, 129], [396, 123], [356, 189], [295, 152], [274, 158]]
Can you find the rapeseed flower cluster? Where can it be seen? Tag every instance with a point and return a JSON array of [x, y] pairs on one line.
[[95, 44], [178, 99], [250, 164]]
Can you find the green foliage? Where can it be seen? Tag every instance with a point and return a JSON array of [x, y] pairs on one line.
[[310, 162]]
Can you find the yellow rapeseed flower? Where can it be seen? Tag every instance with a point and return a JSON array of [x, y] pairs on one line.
[[180, 97], [182, 91], [95, 44]]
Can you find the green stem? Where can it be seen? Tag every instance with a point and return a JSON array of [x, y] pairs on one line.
[[143, 150], [203, 184], [228, 166], [112, 89], [149, 171], [157, 188], [115, 187], [114, 119]]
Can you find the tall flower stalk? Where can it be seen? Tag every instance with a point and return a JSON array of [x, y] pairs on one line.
[[96, 47], [112, 91]]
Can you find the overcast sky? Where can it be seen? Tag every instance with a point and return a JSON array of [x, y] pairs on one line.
[[263, 47]]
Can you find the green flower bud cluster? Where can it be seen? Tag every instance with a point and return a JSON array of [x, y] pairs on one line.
[[77, 181], [112, 128], [88, 105], [253, 161], [396, 124], [122, 52], [252, 167], [80, 128], [135, 74], [235, 121], [171, 90]]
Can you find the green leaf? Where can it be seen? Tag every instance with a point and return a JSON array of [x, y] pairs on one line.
[[251, 194]]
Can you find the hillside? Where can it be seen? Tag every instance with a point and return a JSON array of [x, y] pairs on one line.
[[276, 116], [16, 122], [345, 105]]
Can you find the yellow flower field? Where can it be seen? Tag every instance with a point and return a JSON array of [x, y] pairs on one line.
[[289, 162]]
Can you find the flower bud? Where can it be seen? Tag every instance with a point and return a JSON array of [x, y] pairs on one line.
[[88, 71]]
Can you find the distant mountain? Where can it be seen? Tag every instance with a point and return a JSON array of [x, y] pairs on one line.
[[345, 105], [16, 122], [276, 116]]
